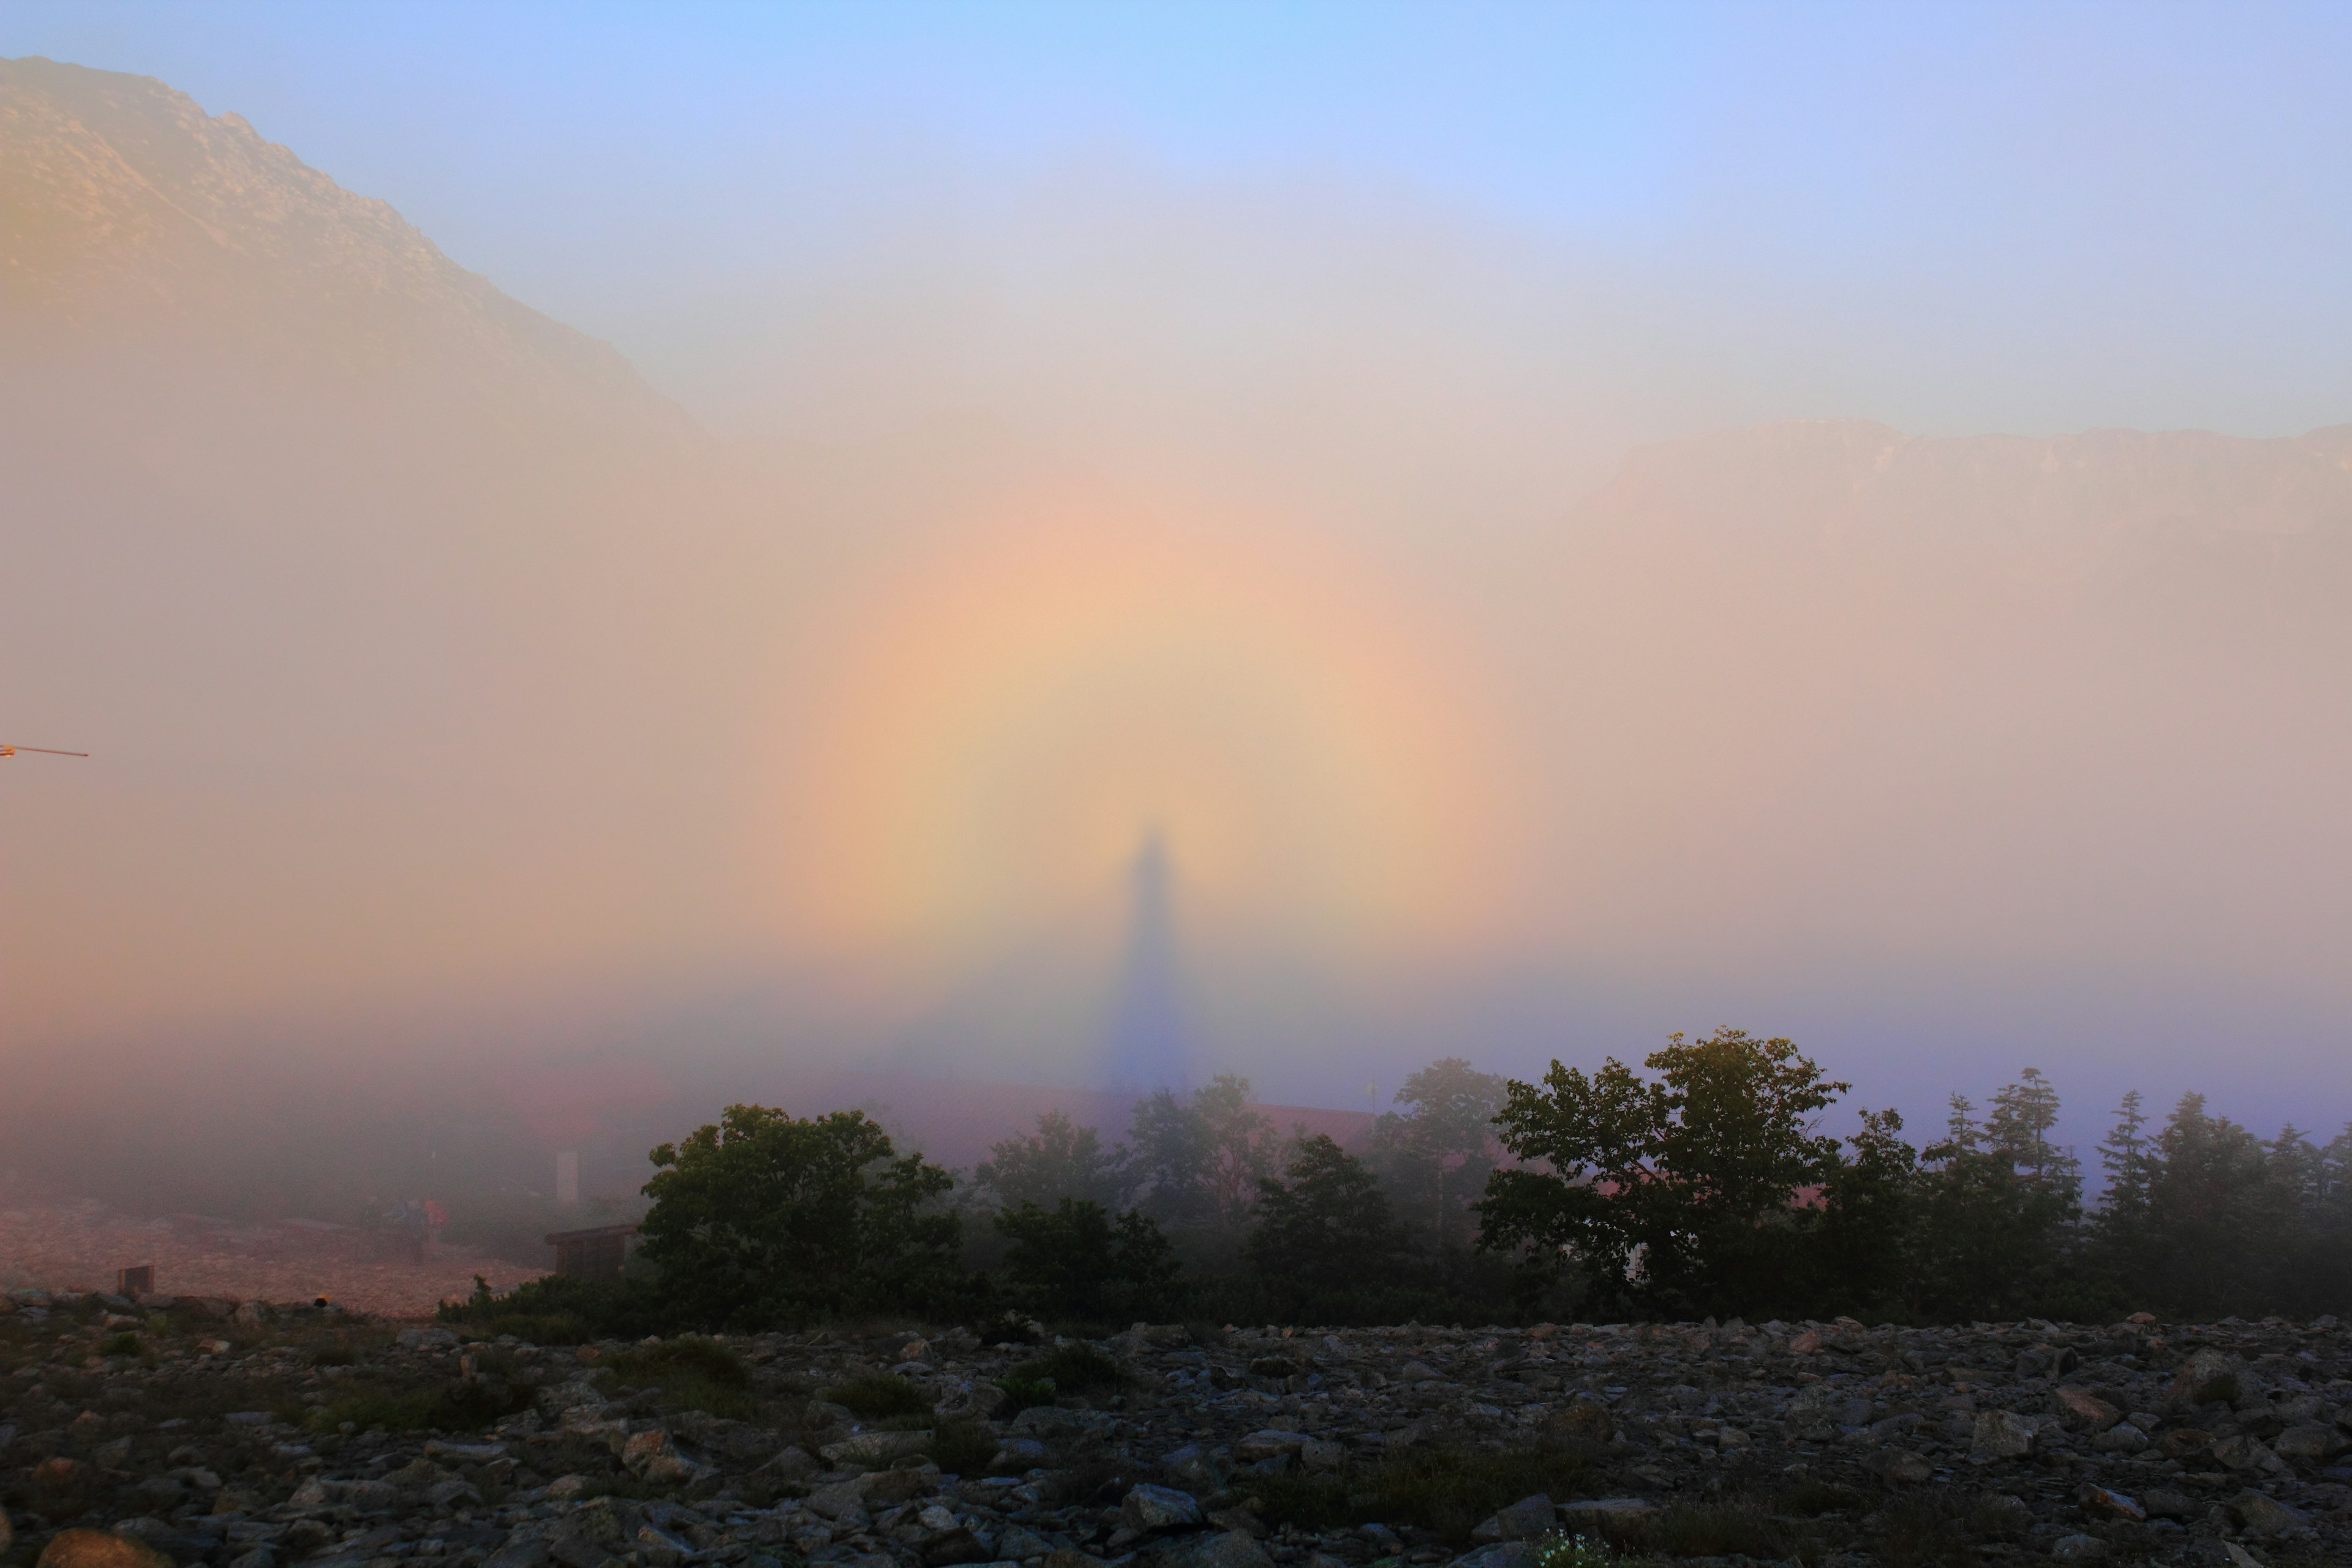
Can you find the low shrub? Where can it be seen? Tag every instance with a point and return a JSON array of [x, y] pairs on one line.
[[878, 1395], [692, 1373]]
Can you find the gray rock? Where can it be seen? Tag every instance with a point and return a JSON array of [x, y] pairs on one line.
[[1150, 1508], [1228, 1549], [2001, 1435], [2121, 1438], [1191, 1468], [839, 1499], [523, 1549], [2240, 1452], [427, 1339], [594, 1531], [2310, 1443], [2266, 1516], [1018, 1543], [2207, 1377], [2077, 1549], [1523, 1521]]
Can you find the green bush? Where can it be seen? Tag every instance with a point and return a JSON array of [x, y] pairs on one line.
[[1076, 1264], [558, 1310], [454, 1409], [765, 1218]]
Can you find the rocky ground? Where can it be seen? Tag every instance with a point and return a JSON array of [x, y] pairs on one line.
[[247, 1436], [80, 1247]]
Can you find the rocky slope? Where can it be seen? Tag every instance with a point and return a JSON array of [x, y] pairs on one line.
[[241, 1435], [129, 217]]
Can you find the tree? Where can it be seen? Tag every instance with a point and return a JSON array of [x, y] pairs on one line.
[[1074, 1262], [1324, 1232], [1661, 1192], [1435, 1159], [1197, 1161], [1060, 1160], [1861, 1250], [766, 1218], [1998, 1210]]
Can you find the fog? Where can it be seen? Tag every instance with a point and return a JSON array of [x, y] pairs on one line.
[[1301, 626]]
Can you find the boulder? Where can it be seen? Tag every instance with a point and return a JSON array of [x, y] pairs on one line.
[[2240, 1452], [2266, 1516], [2310, 1443], [839, 1499], [1191, 1468], [654, 1458], [2261, 1515], [521, 1550], [2077, 1549], [1267, 1443], [596, 1530], [2121, 1438], [1228, 1549], [1523, 1521], [2001, 1435], [2098, 1502], [99, 1549], [1149, 1508], [2080, 1410], [2209, 1377]]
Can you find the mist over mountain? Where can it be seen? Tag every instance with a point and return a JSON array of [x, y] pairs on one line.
[[133, 215], [467, 721]]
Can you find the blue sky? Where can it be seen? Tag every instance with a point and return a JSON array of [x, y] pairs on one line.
[[1950, 216]]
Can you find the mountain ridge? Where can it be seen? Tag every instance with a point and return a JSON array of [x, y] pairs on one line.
[[128, 208]]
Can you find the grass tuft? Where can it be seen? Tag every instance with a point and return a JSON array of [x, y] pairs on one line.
[[1075, 1368], [878, 1395], [693, 1373]]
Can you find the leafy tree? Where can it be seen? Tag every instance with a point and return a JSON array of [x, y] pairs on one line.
[[1324, 1232], [1662, 1194], [1197, 1160], [1074, 1262], [1435, 1159], [766, 1218], [1060, 1160]]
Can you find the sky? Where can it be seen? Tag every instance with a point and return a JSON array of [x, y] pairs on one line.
[[1182, 448], [1954, 218]]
